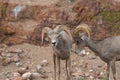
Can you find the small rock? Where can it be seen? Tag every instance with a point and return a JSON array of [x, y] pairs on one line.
[[5, 61], [91, 70], [8, 55], [78, 74], [44, 63], [87, 74], [97, 79], [22, 70], [16, 74], [99, 66], [18, 51], [3, 46], [10, 30], [24, 37], [102, 73], [87, 53], [17, 9], [15, 58], [42, 71], [97, 74], [8, 74], [27, 67], [78, 78], [1, 50], [12, 50], [26, 75], [91, 77], [39, 68], [18, 78], [93, 57], [36, 75], [19, 64], [82, 53], [44, 76]]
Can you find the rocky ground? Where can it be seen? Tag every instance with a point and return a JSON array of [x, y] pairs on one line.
[[26, 59], [20, 60], [30, 62]]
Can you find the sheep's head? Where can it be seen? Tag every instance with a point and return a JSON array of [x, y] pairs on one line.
[[55, 34], [80, 33]]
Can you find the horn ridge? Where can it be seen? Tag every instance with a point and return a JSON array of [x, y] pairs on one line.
[[66, 29], [44, 30], [82, 27]]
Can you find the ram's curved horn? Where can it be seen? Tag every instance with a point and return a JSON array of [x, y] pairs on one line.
[[66, 29], [82, 27], [45, 30]]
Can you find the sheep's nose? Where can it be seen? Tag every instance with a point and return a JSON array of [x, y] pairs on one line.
[[53, 43]]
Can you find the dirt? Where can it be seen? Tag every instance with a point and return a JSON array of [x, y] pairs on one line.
[[34, 55], [82, 65], [34, 2]]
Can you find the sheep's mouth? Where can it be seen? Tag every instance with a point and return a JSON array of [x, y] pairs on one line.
[[54, 44]]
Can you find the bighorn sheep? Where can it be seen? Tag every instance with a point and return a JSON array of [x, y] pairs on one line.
[[108, 49], [61, 41]]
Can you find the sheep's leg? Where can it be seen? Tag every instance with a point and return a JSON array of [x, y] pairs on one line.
[[69, 65], [54, 60], [113, 69], [66, 65], [68, 68], [58, 62], [70, 74], [108, 70]]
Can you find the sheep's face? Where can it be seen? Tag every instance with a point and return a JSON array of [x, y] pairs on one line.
[[54, 39], [79, 44]]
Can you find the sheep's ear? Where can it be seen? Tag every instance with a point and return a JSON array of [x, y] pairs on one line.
[[59, 35], [82, 36]]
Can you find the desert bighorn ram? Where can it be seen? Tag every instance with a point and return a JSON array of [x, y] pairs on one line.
[[61, 40], [108, 49]]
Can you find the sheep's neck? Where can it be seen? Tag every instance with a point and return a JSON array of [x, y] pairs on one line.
[[93, 46], [61, 45]]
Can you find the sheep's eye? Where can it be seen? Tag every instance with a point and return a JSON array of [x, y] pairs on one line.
[[77, 42]]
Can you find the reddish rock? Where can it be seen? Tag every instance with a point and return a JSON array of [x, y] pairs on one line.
[[47, 17], [5, 61], [22, 70], [78, 74], [13, 41], [18, 78], [10, 30], [44, 76]]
